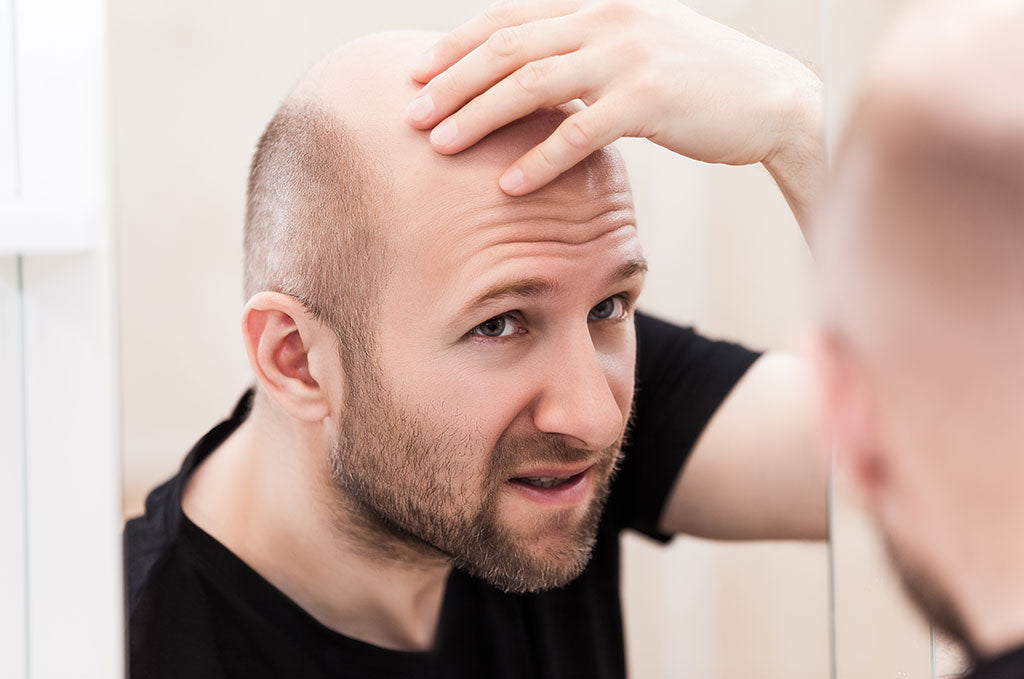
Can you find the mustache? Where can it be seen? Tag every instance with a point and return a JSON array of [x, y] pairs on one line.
[[512, 454]]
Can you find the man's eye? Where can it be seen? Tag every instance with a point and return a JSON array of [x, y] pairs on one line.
[[613, 307], [499, 326]]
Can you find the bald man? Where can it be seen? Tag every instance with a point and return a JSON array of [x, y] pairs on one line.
[[431, 476], [922, 268]]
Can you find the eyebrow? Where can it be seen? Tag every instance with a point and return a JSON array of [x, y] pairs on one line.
[[531, 288]]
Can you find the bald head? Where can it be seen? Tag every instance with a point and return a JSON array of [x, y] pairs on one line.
[[339, 180], [930, 175], [920, 254]]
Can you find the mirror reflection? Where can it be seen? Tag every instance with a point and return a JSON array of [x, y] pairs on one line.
[[446, 335], [918, 254]]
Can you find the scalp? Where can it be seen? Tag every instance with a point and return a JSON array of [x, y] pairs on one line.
[[927, 209], [339, 178]]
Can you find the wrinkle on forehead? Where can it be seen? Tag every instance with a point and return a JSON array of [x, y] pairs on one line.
[[448, 207], [461, 200], [488, 228], [446, 192]]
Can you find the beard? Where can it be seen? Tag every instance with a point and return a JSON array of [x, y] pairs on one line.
[[402, 491], [928, 595]]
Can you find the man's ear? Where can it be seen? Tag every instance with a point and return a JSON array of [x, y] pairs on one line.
[[850, 418], [293, 354]]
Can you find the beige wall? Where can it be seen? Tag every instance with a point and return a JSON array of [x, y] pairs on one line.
[[193, 82]]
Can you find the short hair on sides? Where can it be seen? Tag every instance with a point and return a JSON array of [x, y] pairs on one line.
[[314, 222]]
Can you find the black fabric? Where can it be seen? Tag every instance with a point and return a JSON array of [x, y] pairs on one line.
[[1010, 665], [197, 611]]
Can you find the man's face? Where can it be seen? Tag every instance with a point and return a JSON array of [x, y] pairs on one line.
[[490, 424]]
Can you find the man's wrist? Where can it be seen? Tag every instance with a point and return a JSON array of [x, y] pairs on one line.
[[798, 164]]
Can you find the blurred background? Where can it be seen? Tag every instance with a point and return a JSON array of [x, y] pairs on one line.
[[120, 317]]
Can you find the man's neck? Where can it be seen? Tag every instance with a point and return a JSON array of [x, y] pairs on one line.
[[265, 494]]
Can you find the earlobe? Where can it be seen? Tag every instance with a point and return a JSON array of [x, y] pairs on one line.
[[280, 335]]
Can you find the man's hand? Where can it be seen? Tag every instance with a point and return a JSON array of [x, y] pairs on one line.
[[656, 70]]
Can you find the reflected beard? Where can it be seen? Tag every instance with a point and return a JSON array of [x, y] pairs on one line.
[[929, 596], [403, 497]]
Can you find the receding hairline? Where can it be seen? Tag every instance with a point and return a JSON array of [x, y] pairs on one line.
[[314, 218]]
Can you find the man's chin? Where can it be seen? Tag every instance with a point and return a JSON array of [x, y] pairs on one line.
[[532, 567], [537, 552], [928, 596]]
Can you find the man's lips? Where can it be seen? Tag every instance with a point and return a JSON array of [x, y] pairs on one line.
[[556, 471], [554, 485]]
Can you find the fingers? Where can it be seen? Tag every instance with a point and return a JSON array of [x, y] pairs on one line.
[[547, 82], [538, 83], [577, 137], [505, 51], [474, 32]]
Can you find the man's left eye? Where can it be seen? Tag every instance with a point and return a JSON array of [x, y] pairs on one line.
[[498, 327], [613, 307]]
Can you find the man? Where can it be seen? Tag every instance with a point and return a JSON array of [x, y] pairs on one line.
[[424, 482], [921, 258]]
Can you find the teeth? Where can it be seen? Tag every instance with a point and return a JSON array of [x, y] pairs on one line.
[[544, 481]]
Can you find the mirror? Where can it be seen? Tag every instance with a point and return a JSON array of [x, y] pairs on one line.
[[193, 84]]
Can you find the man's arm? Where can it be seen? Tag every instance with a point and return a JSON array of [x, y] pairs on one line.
[[758, 471]]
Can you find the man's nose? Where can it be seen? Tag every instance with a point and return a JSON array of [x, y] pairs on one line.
[[578, 400]]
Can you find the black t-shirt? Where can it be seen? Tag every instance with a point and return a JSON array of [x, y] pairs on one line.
[[196, 610], [1010, 665]]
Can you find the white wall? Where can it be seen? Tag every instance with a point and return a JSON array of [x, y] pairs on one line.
[[60, 519], [193, 83]]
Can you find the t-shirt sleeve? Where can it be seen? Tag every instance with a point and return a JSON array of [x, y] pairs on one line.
[[682, 378]]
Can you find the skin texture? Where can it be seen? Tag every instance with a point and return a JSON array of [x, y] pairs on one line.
[[325, 488], [922, 293], [652, 69]]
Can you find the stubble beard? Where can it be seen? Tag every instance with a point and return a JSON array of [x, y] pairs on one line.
[[402, 496], [929, 597]]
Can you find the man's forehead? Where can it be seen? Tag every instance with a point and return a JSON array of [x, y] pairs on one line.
[[450, 209], [447, 208], [440, 188], [467, 226], [367, 84]]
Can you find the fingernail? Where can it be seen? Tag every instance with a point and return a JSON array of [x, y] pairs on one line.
[[511, 180], [445, 133], [425, 61], [420, 108]]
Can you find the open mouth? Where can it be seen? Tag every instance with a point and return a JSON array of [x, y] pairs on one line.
[[569, 487], [548, 482]]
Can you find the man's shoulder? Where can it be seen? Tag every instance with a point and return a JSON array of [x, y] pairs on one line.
[[148, 537], [172, 632], [172, 628], [157, 532], [1009, 665]]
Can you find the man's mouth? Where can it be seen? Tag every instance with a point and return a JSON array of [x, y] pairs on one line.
[[559, 486], [547, 481]]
